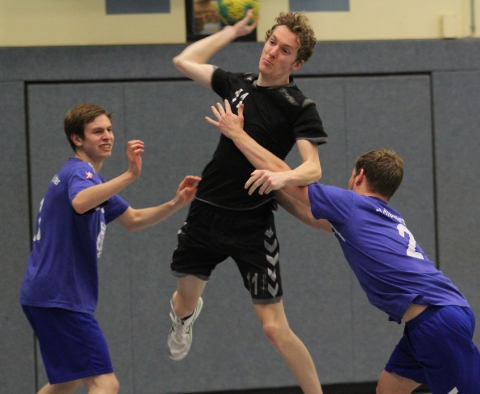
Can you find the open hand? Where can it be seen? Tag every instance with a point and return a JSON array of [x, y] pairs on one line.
[[227, 122]]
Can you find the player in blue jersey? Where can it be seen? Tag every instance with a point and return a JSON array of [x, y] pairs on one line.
[[59, 292], [437, 347], [224, 221]]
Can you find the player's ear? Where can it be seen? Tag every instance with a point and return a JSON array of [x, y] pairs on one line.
[[360, 177], [76, 139], [297, 64]]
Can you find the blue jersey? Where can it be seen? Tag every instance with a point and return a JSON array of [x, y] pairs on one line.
[[390, 266], [62, 268]]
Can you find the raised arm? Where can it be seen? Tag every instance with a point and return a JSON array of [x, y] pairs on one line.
[[191, 62], [94, 196], [138, 219]]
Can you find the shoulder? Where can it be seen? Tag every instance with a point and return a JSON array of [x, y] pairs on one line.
[[220, 75], [293, 96], [79, 172], [74, 164], [333, 194]]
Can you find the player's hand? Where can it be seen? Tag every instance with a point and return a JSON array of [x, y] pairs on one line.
[[265, 181], [187, 189], [244, 27], [227, 122], [134, 149]]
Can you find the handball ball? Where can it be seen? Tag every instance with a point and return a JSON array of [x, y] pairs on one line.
[[231, 11]]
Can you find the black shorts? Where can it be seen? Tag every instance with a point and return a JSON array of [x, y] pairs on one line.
[[211, 234]]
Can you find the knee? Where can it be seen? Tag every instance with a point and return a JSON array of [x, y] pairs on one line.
[[107, 383], [380, 384], [276, 333], [111, 385], [379, 389], [115, 386], [391, 383]]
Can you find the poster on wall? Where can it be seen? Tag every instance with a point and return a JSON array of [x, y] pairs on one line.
[[203, 20]]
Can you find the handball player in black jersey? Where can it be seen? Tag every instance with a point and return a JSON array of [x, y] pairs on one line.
[[224, 220]]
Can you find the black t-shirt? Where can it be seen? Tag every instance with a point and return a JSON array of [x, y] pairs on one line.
[[275, 117]]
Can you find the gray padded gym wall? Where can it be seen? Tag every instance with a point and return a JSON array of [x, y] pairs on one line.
[[369, 94], [135, 277], [17, 357], [457, 146]]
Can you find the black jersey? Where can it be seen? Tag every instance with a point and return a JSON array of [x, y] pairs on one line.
[[275, 117]]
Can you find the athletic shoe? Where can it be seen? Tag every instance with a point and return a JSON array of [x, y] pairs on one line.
[[180, 336]]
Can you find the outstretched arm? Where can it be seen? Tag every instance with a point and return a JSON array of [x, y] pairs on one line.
[[308, 172], [191, 62], [300, 208], [94, 196], [272, 173], [138, 219]]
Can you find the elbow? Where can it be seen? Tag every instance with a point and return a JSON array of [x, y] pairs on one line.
[[133, 225], [78, 207], [315, 175], [178, 63]]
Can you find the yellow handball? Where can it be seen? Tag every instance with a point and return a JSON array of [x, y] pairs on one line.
[[231, 11]]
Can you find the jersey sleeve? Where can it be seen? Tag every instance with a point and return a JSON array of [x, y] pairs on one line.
[[331, 203], [220, 81], [82, 177], [308, 125], [116, 206]]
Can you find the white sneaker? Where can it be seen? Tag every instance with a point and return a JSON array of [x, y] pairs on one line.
[[180, 336]]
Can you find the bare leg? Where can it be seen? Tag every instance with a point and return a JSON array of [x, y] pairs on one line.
[[61, 388], [102, 384], [292, 349], [391, 383], [185, 299]]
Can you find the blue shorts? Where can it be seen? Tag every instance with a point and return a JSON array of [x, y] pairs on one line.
[[72, 344], [437, 350]]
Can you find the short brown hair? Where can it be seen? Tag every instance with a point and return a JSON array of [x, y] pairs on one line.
[[78, 117], [298, 24], [383, 169]]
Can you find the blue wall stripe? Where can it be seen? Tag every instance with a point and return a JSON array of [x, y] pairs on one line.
[[319, 5], [137, 6]]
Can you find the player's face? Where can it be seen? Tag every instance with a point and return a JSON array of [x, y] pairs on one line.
[[278, 58], [98, 139]]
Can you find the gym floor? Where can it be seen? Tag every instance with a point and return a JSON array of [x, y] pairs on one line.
[[357, 388]]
